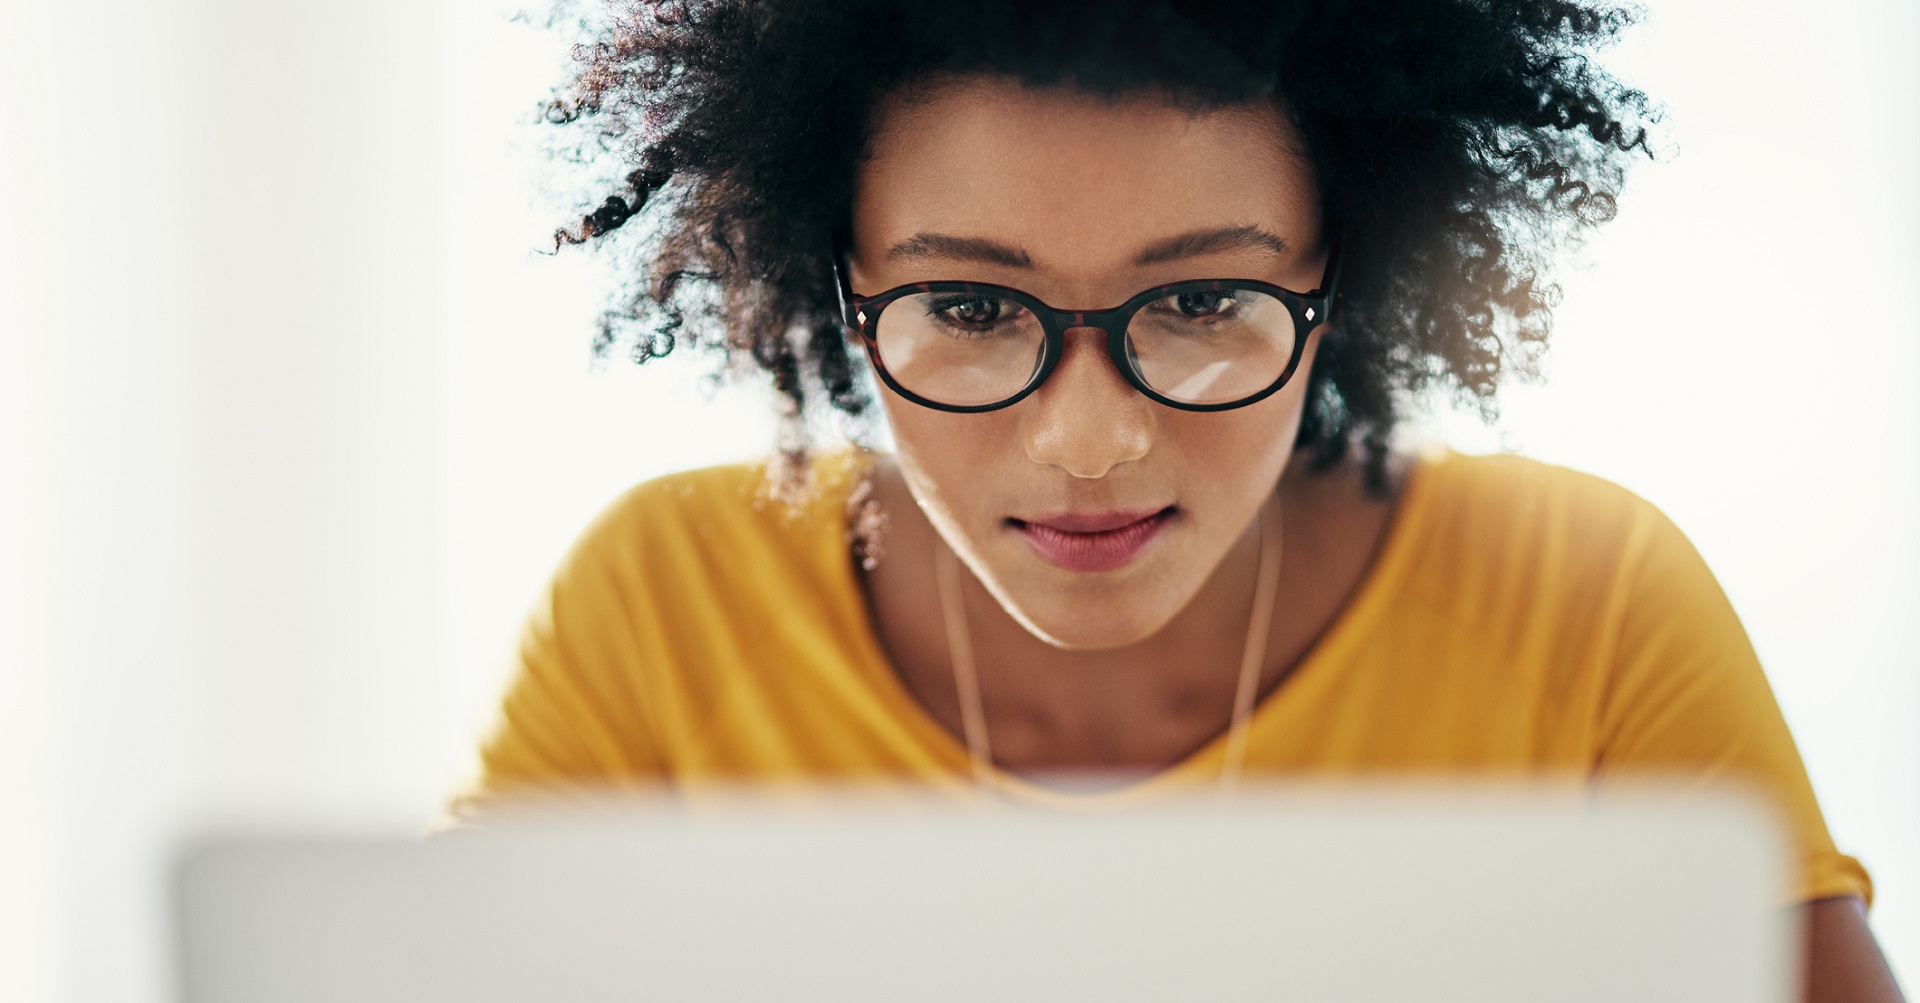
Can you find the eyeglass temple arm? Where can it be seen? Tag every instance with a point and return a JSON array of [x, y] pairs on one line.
[[1330, 282], [844, 294]]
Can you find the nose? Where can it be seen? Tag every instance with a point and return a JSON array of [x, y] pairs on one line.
[[1086, 418]]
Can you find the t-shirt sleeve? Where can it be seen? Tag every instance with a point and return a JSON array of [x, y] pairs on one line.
[[1688, 701], [573, 719]]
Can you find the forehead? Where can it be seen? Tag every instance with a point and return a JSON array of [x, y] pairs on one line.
[[1076, 179]]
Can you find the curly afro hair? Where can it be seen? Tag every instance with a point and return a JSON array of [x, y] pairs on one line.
[[1459, 145]]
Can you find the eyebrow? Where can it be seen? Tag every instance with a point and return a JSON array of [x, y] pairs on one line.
[[1187, 245], [1198, 242], [940, 245]]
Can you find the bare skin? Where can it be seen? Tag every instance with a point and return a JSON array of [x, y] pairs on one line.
[[1126, 671], [1843, 961]]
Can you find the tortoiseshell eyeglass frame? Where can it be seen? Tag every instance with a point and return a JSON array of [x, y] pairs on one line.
[[1310, 310]]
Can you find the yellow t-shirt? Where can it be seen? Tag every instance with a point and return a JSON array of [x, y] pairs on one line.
[[1519, 618]]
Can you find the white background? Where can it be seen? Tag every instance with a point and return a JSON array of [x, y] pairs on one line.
[[293, 420]]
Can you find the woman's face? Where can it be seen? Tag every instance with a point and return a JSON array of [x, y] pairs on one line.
[[1092, 513]]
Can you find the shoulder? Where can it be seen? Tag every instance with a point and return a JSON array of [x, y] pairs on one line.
[[667, 510], [681, 561], [690, 574], [719, 516], [1501, 487], [1510, 505], [1517, 545]]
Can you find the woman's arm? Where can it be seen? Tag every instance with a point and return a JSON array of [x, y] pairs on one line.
[[1687, 701], [1844, 964]]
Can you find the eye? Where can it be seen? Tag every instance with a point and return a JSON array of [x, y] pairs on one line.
[[971, 312], [1212, 303]]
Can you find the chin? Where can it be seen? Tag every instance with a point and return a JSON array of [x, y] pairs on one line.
[[1088, 612], [1082, 627]]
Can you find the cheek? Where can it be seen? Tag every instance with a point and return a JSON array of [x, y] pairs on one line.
[[1229, 443], [1237, 454], [951, 461], [1227, 462]]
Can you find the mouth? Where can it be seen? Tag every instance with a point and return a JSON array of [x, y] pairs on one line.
[[1092, 542]]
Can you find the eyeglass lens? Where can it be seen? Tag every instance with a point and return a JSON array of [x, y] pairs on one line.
[[971, 349]]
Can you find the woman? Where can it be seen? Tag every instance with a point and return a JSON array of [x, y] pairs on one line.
[[1144, 288]]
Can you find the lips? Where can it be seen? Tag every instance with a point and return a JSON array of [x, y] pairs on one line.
[[1094, 541]]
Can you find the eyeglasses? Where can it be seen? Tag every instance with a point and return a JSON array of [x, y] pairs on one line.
[[1204, 345]]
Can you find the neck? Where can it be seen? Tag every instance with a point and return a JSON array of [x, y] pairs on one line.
[[1144, 706]]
